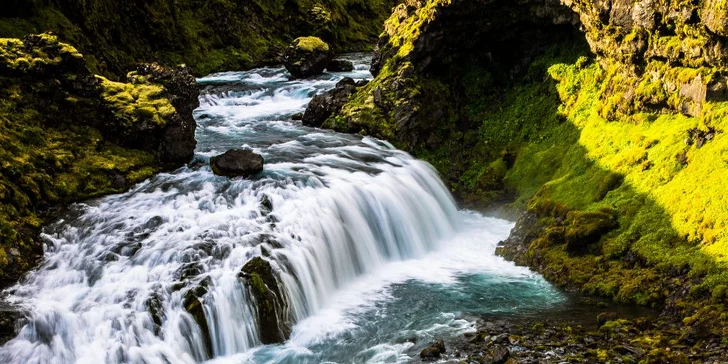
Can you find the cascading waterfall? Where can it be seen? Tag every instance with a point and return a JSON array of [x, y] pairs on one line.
[[329, 212]]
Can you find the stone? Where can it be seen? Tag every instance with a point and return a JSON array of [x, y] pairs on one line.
[[273, 312], [237, 162], [324, 105], [340, 65], [307, 56]]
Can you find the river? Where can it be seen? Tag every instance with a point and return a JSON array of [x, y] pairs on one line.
[[374, 256]]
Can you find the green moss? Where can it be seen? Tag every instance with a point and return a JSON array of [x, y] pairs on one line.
[[51, 152], [311, 44], [137, 102], [208, 36]]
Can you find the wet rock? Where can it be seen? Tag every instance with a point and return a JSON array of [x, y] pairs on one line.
[[266, 205], [237, 162], [156, 310], [11, 320], [307, 56], [434, 351], [324, 105], [273, 312], [193, 304], [340, 65], [297, 116]]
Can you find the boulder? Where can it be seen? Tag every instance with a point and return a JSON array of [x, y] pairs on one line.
[[237, 162], [340, 65], [324, 105], [307, 56], [274, 318]]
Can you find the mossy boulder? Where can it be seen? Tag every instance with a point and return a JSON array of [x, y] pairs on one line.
[[237, 162], [307, 56], [68, 135], [273, 311], [328, 103], [584, 228]]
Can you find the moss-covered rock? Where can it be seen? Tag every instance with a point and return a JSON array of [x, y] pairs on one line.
[[307, 56], [273, 313], [67, 135], [215, 35]]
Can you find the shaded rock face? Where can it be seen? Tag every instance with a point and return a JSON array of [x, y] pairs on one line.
[[324, 105], [420, 80], [237, 162], [177, 144], [340, 65], [307, 56], [273, 316]]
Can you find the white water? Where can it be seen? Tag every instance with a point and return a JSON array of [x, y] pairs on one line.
[[357, 230]]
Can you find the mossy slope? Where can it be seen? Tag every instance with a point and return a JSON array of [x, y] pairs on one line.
[[57, 123], [621, 162], [210, 35]]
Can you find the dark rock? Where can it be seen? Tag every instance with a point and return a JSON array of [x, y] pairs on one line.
[[193, 304], [273, 312], [340, 65], [11, 320], [297, 116], [177, 143], [307, 56], [434, 351], [324, 105], [237, 162]]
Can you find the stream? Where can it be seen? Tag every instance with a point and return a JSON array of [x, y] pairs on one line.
[[374, 256]]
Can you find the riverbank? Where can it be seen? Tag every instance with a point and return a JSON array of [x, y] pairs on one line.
[[594, 142]]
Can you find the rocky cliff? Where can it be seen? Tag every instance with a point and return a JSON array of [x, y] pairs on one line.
[[603, 120], [207, 35], [67, 135]]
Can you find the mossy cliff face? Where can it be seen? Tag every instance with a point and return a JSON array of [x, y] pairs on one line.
[[67, 135], [214, 35], [624, 198]]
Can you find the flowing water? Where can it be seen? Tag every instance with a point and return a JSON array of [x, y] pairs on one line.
[[373, 254]]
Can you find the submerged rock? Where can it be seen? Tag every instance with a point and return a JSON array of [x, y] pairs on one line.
[[340, 65], [324, 105], [237, 162], [274, 323], [307, 56]]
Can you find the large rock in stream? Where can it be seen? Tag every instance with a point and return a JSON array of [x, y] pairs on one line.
[[273, 312], [237, 162], [330, 102], [307, 56]]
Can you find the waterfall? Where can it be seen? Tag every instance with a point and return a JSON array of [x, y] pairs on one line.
[[117, 269]]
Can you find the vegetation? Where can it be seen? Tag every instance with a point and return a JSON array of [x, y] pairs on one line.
[[55, 119], [211, 35]]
